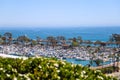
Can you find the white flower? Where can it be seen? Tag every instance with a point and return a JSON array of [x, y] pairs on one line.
[[21, 74], [77, 73], [100, 77], [95, 71], [86, 76], [79, 64], [1, 68], [58, 71], [30, 62], [14, 70], [46, 74], [82, 75], [72, 65], [40, 66], [98, 71], [9, 65], [58, 77], [55, 75], [26, 76], [8, 75], [14, 78], [83, 72], [63, 62], [50, 67], [56, 65], [77, 79], [48, 63]]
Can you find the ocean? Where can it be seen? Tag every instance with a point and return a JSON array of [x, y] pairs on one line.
[[87, 33]]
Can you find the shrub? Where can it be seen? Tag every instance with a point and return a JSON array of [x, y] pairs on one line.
[[109, 69], [46, 69]]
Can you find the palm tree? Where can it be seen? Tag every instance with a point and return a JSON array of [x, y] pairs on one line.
[[113, 58], [118, 43], [38, 39], [109, 43], [98, 61], [4, 40], [23, 40], [79, 38], [33, 42], [97, 42], [0, 36], [75, 42], [102, 55], [92, 57], [61, 39], [118, 58], [88, 42], [91, 60], [115, 38], [1, 39], [103, 44], [51, 41], [69, 41], [8, 37]]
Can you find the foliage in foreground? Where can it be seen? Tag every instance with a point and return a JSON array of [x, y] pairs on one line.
[[110, 69], [46, 69]]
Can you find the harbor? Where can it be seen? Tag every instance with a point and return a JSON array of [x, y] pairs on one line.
[[78, 55]]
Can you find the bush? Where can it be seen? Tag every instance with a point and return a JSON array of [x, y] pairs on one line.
[[46, 69], [109, 69]]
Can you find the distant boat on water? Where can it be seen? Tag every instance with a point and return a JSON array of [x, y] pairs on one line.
[[81, 58]]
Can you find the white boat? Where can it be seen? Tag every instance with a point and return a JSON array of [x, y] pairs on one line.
[[81, 58]]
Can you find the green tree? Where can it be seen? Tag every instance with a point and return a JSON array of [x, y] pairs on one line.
[[8, 37], [51, 41], [79, 38], [98, 61], [23, 40], [75, 43], [61, 39], [97, 42], [115, 38], [38, 39], [4, 40]]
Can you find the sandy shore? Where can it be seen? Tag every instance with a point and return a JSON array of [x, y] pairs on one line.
[[12, 56], [111, 64]]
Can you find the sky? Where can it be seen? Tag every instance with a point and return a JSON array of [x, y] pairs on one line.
[[59, 13]]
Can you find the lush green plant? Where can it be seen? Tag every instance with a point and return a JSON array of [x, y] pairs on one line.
[[98, 62], [46, 69], [109, 69]]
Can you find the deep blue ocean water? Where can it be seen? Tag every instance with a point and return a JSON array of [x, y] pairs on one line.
[[87, 33]]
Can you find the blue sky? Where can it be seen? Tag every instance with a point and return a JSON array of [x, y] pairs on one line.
[[59, 13]]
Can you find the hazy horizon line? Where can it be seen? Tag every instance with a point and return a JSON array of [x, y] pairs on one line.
[[57, 26]]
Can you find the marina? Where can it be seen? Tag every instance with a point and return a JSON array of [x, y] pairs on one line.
[[78, 55]]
